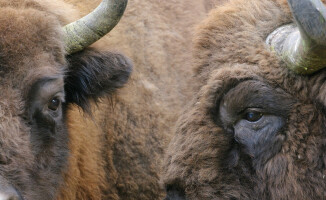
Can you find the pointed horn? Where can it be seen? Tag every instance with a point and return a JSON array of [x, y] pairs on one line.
[[302, 46], [92, 27]]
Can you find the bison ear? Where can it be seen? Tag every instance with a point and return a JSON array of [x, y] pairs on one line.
[[93, 74]]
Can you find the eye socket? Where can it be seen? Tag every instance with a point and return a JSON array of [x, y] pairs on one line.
[[54, 104], [253, 115]]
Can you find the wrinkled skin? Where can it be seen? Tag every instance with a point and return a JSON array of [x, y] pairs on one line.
[[254, 129]]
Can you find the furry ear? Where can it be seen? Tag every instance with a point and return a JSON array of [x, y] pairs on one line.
[[93, 74]]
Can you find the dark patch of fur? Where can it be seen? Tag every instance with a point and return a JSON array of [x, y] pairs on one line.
[[175, 192], [93, 74]]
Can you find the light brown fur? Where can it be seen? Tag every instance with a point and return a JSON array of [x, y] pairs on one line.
[[115, 152], [131, 131]]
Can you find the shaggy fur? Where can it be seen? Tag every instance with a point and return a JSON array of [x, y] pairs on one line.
[[120, 155], [217, 152], [34, 77], [55, 151]]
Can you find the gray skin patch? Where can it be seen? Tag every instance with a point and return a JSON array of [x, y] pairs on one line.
[[175, 195], [256, 136]]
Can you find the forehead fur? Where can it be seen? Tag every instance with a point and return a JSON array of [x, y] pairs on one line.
[[235, 34], [29, 39]]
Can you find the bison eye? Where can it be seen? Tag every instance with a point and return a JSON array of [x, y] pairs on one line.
[[54, 104], [253, 115]]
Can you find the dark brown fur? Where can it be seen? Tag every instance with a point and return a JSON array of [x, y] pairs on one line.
[[213, 155], [133, 128], [114, 151], [33, 72]]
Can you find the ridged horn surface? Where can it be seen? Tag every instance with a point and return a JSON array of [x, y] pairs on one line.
[[302, 46], [87, 30]]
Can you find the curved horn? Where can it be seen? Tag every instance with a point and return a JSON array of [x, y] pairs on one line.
[[302, 46], [92, 27]]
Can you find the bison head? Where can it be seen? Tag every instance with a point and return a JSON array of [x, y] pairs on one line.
[[38, 80], [255, 129]]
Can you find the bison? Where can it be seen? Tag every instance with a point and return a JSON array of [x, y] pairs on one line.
[[38, 83], [256, 126], [65, 130]]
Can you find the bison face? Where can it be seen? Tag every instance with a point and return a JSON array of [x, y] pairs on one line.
[[37, 83], [245, 137], [255, 129]]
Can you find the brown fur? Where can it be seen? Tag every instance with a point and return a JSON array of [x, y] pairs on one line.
[[204, 160], [132, 129], [116, 151], [25, 51]]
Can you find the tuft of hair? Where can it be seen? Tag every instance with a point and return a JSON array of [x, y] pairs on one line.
[[93, 74]]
